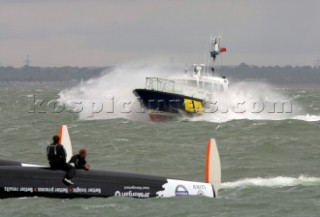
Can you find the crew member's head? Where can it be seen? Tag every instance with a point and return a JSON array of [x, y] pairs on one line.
[[83, 153], [56, 139]]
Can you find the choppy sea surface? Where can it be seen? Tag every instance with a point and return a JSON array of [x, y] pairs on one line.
[[270, 166]]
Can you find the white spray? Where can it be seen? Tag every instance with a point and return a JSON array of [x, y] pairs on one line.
[[275, 182], [110, 96]]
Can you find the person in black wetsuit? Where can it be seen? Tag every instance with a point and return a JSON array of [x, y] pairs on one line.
[[57, 159], [79, 160]]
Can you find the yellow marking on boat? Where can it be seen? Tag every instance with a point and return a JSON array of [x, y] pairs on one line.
[[192, 106]]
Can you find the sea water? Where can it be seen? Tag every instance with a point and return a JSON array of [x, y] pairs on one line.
[[270, 164]]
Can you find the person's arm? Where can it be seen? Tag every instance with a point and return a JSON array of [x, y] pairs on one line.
[[48, 149], [85, 165], [63, 153]]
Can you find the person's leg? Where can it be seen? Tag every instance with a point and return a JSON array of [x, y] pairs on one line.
[[70, 171], [54, 166]]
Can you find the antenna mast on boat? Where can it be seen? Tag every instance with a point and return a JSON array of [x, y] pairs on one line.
[[215, 47]]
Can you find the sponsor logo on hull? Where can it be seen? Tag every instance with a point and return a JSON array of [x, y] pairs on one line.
[[174, 188], [132, 194], [181, 191]]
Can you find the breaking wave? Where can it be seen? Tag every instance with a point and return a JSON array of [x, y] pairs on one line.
[[307, 117], [252, 101], [110, 96], [275, 182]]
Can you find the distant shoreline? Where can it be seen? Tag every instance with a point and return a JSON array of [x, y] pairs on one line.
[[67, 84], [283, 77], [298, 86]]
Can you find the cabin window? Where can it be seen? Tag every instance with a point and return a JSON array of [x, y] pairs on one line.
[[208, 86], [215, 86], [192, 83]]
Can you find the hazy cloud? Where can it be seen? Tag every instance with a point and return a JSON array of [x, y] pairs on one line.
[[111, 32]]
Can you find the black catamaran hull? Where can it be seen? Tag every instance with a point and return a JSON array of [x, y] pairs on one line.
[[19, 180], [39, 181], [28, 180]]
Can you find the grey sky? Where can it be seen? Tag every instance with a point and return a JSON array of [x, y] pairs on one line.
[[91, 32]]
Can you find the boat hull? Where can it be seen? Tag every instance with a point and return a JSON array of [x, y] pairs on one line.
[[168, 106], [27, 181]]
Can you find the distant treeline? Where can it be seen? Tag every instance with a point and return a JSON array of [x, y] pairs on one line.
[[272, 74], [66, 73]]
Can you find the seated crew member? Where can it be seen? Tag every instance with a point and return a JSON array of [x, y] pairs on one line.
[[79, 160], [57, 159]]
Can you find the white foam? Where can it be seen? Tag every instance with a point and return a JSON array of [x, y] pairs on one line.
[[275, 182], [307, 117], [122, 80], [251, 101], [111, 89]]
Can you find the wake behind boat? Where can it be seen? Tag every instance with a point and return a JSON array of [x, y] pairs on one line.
[[187, 96], [23, 180]]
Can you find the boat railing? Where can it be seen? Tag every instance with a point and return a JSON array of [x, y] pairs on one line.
[[160, 84], [188, 87]]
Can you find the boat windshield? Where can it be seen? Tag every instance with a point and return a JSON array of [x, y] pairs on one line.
[[184, 86], [160, 84]]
